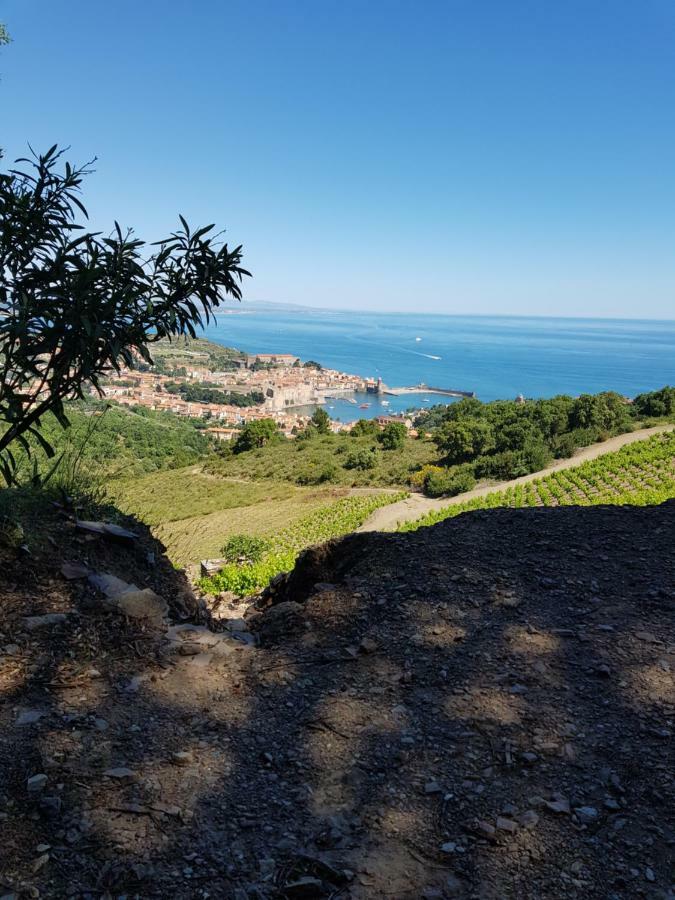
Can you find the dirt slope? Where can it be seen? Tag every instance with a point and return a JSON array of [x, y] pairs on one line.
[[481, 709]]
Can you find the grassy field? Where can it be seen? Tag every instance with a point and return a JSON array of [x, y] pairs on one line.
[[193, 512], [639, 474]]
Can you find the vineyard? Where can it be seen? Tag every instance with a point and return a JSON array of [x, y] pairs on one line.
[[321, 525], [640, 474]]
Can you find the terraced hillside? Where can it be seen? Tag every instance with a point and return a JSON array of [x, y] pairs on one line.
[[640, 474], [282, 550]]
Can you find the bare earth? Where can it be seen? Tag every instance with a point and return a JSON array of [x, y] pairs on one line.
[[388, 518], [481, 710]]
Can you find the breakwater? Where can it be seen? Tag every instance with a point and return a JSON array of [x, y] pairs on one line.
[[426, 389]]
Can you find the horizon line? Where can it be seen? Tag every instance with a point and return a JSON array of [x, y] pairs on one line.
[[404, 312]]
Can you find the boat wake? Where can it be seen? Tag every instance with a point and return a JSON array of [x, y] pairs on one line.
[[429, 356]]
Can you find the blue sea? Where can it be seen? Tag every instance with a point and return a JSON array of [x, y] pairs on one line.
[[497, 357]]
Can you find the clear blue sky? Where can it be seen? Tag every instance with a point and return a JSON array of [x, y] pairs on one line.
[[508, 156]]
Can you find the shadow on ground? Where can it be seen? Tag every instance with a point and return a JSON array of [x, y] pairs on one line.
[[479, 709]]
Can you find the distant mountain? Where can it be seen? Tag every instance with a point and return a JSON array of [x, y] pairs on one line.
[[262, 305]]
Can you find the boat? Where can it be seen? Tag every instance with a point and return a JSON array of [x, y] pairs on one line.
[[418, 338], [364, 405], [385, 403]]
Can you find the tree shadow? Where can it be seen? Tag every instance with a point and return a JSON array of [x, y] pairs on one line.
[[475, 709]]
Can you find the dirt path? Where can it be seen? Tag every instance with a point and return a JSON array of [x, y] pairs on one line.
[[388, 518]]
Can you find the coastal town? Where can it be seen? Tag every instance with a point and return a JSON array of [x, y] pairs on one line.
[[230, 389]]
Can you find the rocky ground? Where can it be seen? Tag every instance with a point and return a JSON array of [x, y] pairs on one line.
[[482, 709]]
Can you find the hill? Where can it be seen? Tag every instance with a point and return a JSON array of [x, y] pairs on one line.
[[187, 352], [454, 447], [108, 441], [351, 460], [482, 708]]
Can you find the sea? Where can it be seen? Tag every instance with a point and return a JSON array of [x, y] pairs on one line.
[[497, 357]]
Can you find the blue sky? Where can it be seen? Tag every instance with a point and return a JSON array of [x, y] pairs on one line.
[[460, 156]]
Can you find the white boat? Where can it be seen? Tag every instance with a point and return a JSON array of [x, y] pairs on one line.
[[385, 403], [418, 338]]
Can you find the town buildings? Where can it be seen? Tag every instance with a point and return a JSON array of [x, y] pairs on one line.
[[284, 383]]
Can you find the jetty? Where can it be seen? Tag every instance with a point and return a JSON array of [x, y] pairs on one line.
[[425, 389]]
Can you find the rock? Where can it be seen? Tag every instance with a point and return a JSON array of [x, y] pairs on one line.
[[33, 623], [559, 805], [587, 815], [74, 571], [182, 758], [432, 787], [484, 829], [110, 585], [281, 620], [122, 773], [236, 624], [367, 645], [649, 874], [36, 783], [106, 529], [40, 862], [504, 824], [144, 604], [29, 716], [448, 847]]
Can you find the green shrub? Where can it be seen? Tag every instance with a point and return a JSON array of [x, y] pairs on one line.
[[392, 436], [656, 404], [419, 477], [448, 483], [563, 446], [365, 428], [255, 435], [317, 474], [363, 459], [244, 548]]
